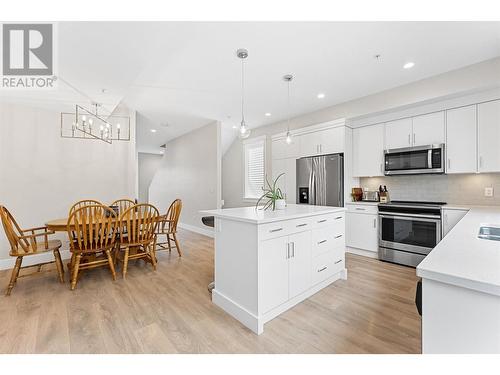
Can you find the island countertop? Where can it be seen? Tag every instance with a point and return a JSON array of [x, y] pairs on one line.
[[463, 259], [259, 216]]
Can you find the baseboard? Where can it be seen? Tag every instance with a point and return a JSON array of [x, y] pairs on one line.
[[365, 253], [238, 312], [32, 260], [206, 232]]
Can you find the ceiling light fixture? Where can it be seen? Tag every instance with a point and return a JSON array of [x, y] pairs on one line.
[[409, 65], [244, 131], [288, 78], [153, 130], [321, 95], [267, 114]]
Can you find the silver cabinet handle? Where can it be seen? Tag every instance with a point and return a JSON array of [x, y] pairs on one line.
[[409, 139], [321, 221], [338, 236], [375, 223], [381, 168], [449, 163], [322, 241], [360, 209], [293, 249], [322, 269], [338, 218], [338, 261], [414, 138], [480, 162], [301, 225], [288, 250], [275, 230]]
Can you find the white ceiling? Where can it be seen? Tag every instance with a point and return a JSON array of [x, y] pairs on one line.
[[180, 76]]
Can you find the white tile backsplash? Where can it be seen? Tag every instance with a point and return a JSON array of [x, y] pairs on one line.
[[452, 188]]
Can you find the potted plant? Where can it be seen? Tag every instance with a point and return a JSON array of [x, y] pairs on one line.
[[274, 195]]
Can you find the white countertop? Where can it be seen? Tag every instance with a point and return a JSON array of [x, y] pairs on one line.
[[364, 203], [258, 216], [465, 260]]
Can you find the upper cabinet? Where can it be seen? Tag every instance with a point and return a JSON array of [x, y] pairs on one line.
[[488, 123], [327, 141], [415, 131], [428, 129], [461, 151], [281, 149], [398, 133], [368, 151]]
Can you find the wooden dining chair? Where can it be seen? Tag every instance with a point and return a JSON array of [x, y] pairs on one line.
[[83, 203], [92, 233], [168, 227], [123, 204], [23, 242], [140, 222]]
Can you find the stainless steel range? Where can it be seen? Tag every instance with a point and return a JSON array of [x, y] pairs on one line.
[[409, 230]]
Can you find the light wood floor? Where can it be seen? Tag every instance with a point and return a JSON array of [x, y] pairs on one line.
[[169, 311]]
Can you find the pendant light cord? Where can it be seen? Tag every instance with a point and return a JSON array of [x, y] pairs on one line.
[[242, 91], [288, 120]]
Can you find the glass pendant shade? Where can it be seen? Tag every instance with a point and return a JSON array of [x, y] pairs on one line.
[[244, 132], [288, 139]]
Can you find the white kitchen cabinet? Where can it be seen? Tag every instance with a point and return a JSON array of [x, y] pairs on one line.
[[451, 217], [290, 180], [322, 142], [299, 271], [362, 229], [286, 183], [274, 273], [461, 150], [368, 151], [281, 150], [428, 129], [398, 133], [488, 123]]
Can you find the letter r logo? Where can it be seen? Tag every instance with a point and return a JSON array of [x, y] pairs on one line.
[[27, 49]]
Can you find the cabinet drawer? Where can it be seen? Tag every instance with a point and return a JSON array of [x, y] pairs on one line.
[[362, 208], [327, 265], [337, 220], [274, 230], [326, 239]]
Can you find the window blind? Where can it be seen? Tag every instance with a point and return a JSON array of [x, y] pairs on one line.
[[254, 169]]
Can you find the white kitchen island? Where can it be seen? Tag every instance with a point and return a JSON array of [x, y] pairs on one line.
[[268, 261]]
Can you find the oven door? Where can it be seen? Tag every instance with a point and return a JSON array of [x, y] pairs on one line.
[[414, 160], [414, 233]]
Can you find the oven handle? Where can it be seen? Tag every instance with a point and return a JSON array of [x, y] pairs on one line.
[[429, 159], [418, 217]]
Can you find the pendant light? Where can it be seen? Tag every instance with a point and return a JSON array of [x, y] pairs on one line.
[[244, 132], [288, 78]]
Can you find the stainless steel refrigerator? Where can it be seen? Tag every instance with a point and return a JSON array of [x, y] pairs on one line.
[[320, 180]]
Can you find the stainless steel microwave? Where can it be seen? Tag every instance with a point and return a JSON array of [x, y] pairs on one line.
[[414, 160]]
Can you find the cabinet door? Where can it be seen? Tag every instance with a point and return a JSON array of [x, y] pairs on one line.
[[290, 180], [362, 231], [488, 122], [299, 263], [428, 129], [398, 133], [309, 144], [368, 151], [292, 150], [331, 141], [461, 151], [278, 167], [273, 269], [278, 149], [451, 218]]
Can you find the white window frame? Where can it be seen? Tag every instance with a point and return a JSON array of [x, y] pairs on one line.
[[253, 142]]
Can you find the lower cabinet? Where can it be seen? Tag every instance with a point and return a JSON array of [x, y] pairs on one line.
[[362, 230], [292, 264], [450, 218]]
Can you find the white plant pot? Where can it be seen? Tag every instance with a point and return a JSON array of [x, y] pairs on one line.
[[280, 204]]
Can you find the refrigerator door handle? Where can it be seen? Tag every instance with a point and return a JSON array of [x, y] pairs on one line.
[[310, 188]]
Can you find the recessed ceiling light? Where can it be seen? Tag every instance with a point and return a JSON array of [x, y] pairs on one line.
[[153, 130], [409, 65], [321, 95], [162, 152], [235, 127], [267, 114]]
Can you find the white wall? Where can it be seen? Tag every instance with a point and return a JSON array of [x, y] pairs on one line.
[[473, 78], [190, 170], [42, 174], [148, 165]]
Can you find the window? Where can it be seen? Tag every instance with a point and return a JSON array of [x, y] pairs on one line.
[[254, 159]]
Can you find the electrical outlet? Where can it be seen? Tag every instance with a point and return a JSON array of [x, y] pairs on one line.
[[488, 192]]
